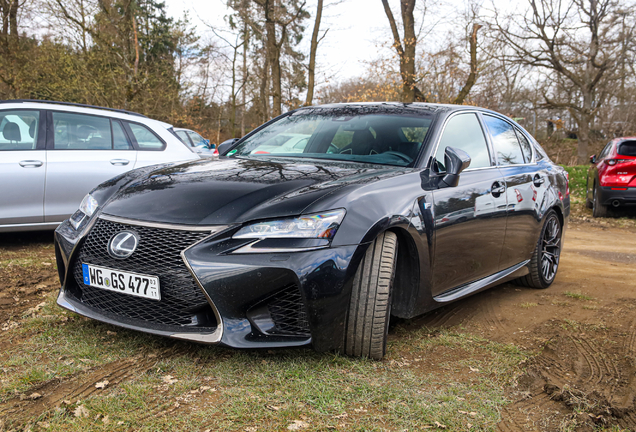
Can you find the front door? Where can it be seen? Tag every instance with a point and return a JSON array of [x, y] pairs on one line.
[[469, 219]]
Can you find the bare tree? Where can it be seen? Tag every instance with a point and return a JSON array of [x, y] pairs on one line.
[[576, 43], [315, 40], [405, 48]]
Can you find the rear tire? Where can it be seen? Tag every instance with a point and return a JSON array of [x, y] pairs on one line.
[[598, 209], [370, 305], [545, 259]]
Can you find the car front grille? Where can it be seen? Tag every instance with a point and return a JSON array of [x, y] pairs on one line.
[[182, 302], [288, 313]]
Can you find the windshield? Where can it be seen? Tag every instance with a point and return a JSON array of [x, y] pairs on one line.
[[388, 139]]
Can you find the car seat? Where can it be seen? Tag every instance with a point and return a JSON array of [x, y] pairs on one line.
[[11, 132]]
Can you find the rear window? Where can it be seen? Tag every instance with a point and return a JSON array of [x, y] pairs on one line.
[[627, 148]]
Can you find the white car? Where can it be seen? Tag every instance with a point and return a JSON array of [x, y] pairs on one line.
[[52, 154], [284, 143], [198, 144]]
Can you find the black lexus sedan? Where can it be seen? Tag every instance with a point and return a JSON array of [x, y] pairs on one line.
[[317, 227]]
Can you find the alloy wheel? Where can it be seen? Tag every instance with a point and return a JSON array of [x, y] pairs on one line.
[[550, 249]]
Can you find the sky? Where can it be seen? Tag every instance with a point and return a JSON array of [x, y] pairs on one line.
[[359, 23]]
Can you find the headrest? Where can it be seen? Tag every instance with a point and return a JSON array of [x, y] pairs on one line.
[[11, 132]]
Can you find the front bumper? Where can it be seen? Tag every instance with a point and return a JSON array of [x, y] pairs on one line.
[[607, 195], [258, 300]]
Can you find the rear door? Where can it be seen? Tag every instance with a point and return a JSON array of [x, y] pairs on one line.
[[22, 166], [82, 151], [526, 183], [470, 219], [151, 148]]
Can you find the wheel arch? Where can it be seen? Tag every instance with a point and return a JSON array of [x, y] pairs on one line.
[[406, 284]]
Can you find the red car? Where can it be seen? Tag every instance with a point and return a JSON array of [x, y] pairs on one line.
[[611, 180]]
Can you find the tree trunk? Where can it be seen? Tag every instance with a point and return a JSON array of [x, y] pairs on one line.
[[312, 56], [584, 120], [264, 92], [273, 57], [13, 17], [246, 39], [406, 50], [472, 77]]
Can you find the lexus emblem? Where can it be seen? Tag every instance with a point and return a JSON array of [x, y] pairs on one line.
[[123, 244]]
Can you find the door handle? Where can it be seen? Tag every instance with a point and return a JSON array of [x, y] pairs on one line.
[[497, 189], [538, 180], [31, 163], [119, 162]]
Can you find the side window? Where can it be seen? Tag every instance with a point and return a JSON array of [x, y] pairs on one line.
[[505, 141], [196, 138], [464, 132], [81, 132], [19, 130], [526, 148], [605, 151], [146, 139], [184, 137], [120, 142]]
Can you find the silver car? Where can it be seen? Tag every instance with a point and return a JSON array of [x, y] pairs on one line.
[[53, 154], [198, 144]]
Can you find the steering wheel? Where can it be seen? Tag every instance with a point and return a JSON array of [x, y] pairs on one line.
[[402, 156], [333, 148]]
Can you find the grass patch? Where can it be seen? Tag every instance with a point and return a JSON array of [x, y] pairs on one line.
[[577, 295], [448, 377], [578, 180], [528, 305]]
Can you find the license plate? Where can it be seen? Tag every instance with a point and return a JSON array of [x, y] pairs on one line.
[[134, 284]]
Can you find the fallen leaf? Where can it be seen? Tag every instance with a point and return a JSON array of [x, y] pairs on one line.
[[297, 425], [81, 411], [251, 429], [472, 369], [169, 379], [106, 419], [102, 384], [343, 415], [204, 388], [35, 396], [111, 333], [273, 407], [439, 425]]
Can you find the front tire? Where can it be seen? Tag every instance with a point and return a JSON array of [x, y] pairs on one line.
[[545, 259], [370, 305]]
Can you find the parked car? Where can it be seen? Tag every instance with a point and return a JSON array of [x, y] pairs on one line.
[[611, 179], [319, 247], [53, 153], [283, 143], [198, 144]]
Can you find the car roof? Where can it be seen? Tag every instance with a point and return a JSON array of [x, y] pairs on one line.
[[433, 108], [80, 108]]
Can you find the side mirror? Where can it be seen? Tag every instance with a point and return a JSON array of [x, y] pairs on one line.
[[456, 161], [226, 145], [593, 159]]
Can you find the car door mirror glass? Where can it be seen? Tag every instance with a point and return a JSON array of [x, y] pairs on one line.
[[593, 159], [456, 161], [226, 145]]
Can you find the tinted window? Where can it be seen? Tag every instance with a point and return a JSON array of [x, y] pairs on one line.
[[627, 148], [464, 132], [526, 148], [146, 139], [120, 142], [504, 141], [19, 130], [341, 134]]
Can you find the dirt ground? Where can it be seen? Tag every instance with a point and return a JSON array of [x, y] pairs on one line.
[[582, 329]]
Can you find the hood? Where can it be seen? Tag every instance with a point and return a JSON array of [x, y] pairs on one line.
[[228, 191]]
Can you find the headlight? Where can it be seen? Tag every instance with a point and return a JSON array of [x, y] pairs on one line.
[[87, 207], [315, 226]]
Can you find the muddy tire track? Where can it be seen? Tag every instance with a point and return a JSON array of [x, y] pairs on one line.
[[81, 385]]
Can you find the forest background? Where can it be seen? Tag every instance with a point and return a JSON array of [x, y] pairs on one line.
[[564, 69]]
